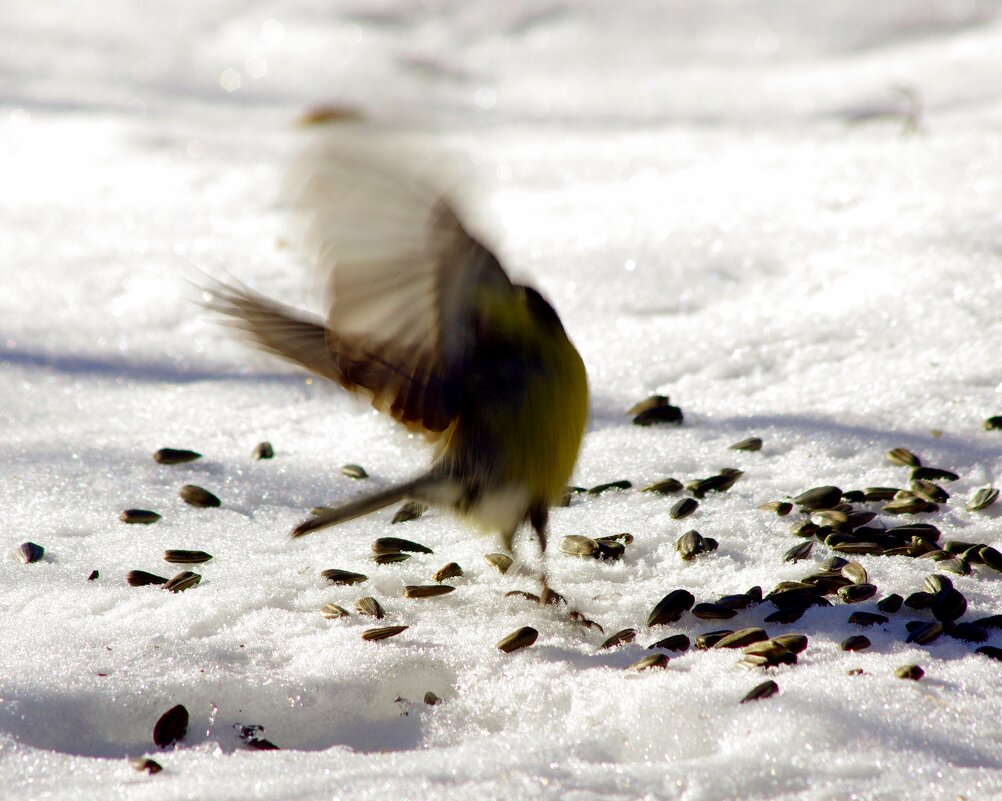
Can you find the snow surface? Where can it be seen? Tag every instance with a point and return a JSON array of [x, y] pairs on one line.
[[787, 216]]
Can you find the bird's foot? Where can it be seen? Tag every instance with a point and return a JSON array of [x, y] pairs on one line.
[[547, 597]]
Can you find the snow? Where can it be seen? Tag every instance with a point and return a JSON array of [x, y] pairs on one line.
[[785, 216]]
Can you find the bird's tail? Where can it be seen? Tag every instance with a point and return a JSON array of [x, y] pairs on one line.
[[363, 506]]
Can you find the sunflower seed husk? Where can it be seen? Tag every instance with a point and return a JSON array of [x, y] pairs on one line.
[[667, 486], [912, 672], [959, 546], [835, 518], [180, 557], [622, 484], [29, 552], [742, 637], [193, 495], [431, 699], [355, 471], [794, 643], [993, 423], [867, 619], [925, 633], [919, 600], [410, 510], [395, 544], [427, 590], [171, 727], [721, 482], [370, 607], [855, 572], [934, 583], [859, 548], [827, 583], [770, 649], [761, 691], [982, 499], [739, 601], [620, 638], [804, 528], [659, 414], [936, 554], [781, 508], [834, 563], [140, 578], [333, 611], [145, 765], [140, 516], [990, 651], [933, 474], [335, 576], [609, 549], [652, 402], [451, 570], [670, 608], [929, 491], [253, 737], [871, 494], [990, 557], [853, 496], [708, 639], [948, 605], [801, 550], [183, 581], [903, 457], [854, 593], [94, 575], [818, 498], [968, 632], [890, 603], [910, 506], [579, 545], [857, 642], [676, 642], [690, 545], [649, 662], [263, 450], [383, 632], [750, 444], [785, 616], [499, 561], [175, 456], [857, 519], [683, 508], [990, 622], [707, 611], [522, 638], [960, 567], [391, 558]]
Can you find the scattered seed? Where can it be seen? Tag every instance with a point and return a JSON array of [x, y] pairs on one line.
[[925, 633], [171, 727], [620, 638], [993, 423], [990, 622], [659, 414], [721, 482], [855, 572], [761, 691], [391, 558], [683, 508], [94, 575], [929, 491], [183, 581], [670, 608], [857, 519], [611, 485], [410, 510], [707, 611], [579, 545], [801, 550], [854, 593], [263, 450], [370, 607], [383, 632], [29, 552], [253, 737], [835, 518], [355, 471], [750, 444], [910, 506], [968, 632], [175, 456], [990, 557], [187, 557], [427, 590], [690, 545], [649, 662], [431, 699], [890, 603], [145, 765], [948, 605], [522, 638], [499, 561], [919, 600], [867, 619], [880, 493], [742, 637], [982, 499], [794, 643], [933, 474], [960, 567], [784, 616], [936, 583], [333, 611], [667, 486], [609, 548], [913, 672], [140, 578], [904, 457], [335, 576], [804, 528], [141, 516], [451, 570], [653, 402], [392, 544], [818, 498], [676, 642], [781, 508], [198, 496], [857, 642], [990, 651]]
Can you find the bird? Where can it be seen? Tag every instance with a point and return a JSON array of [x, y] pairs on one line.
[[423, 321]]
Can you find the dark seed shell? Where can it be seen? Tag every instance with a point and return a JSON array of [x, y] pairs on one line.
[[741, 601], [263, 450], [990, 557], [431, 699], [933, 474], [411, 510], [982, 499], [94, 575], [183, 581], [650, 662], [904, 457], [141, 516], [659, 414], [919, 600], [990, 651], [710, 638], [790, 615], [689, 545], [929, 491], [676, 642], [794, 643], [451, 570], [651, 402], [750, 444], [370, 607], [993, 423], [667, 486], [426, 590], [818, 498], [707, 611], [855, 593], [948, 605], [29, 552], [799, 551], [171, 727], [760, 691], [781, 508], [912, 672], [968, 632], [175, 456], [392, 558], [391, 544], [355, 471], [867, 619], [335, 576], [198, 496], [670, 608], [186, 557], [880, 493], [383, 632], [890, 603], [622, 484], [683, 508], [925, 633], [857, 642], [620, 638], [990, 622], [140, 578], [145, 765], [522, 638], [742, 637]]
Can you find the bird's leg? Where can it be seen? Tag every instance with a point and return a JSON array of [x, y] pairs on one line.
[[538, 518]]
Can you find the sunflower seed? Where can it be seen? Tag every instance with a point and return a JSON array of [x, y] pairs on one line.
[[934, 583], [919, 600], [650, 662], [29, 552], [622, 484], [198, 496], [499, 561], [857, 642], [383, 632], [710, 638], [355, 471], [910, 506], [879, 493], [392, 544], [707, 611], [391, 558], [670, 608], [667, 486], [859, 548], [990, 622], [721, 482], [925, 633], [175, 456], [690, 545], [94, 575], [904, 457], [804, 528], [579, 545], [683, 508], [410, 510], [818, 498], [858, 519], [750, 444], [982, 499], [948, 605], [263, 450], [620, 638], [742, 601], [426, 590], [145, 765], [933, 474], [431, 699], [140, 578], [968, 632], [929, 491], [335, 576], [855, 572], [993, 423], [771, 650], [676, 642], [522, 638], [801, 550], [912, 672], [333, 611], [781, 508], [652, 402], [183, 581], [451, 570], [171, 727], [794, 643], [742, 637], [990, 651], [370, 607], [855, 593], [990, 557], [867, 619], [609, 548], [890, 603], [761, 691], [853, 496], [960, 567], [834, 563], [830, 517], [141, 516], [659, 414], [186, 557]]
